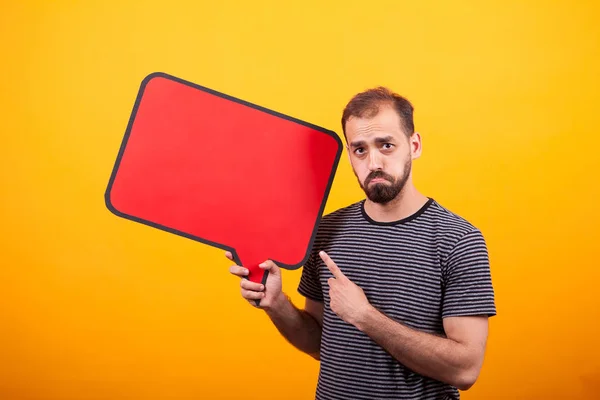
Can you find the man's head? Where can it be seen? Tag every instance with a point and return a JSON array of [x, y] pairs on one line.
[[379, 130]]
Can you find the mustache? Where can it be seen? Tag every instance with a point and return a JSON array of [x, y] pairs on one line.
[[378, 174]]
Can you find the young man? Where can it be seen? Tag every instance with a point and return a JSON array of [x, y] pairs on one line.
[[398, 288]]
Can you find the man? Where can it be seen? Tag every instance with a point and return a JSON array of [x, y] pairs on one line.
[[398, 288]]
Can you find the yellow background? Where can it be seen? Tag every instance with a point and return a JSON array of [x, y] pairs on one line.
[[96, 307]]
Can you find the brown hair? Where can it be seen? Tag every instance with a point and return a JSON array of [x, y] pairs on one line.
[[366, 105]]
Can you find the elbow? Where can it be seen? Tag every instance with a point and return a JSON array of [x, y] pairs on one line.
[[466, 376], [464, 385], [466, 379]]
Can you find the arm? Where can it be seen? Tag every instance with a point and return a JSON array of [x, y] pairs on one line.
[[455, 359], [301, 328]]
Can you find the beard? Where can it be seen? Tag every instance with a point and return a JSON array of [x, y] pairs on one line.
[[383, 193]]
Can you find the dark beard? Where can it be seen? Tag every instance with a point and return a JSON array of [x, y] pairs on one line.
[[383, 193]]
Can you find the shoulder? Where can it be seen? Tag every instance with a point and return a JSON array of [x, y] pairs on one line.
[[342, 215], [452, 222], [450, 227], [340, 220]]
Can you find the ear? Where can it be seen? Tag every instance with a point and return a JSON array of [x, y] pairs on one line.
[[416, 145]]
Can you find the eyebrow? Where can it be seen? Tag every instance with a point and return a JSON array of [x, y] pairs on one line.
[[358, 143], [378, 140], [384, 139]]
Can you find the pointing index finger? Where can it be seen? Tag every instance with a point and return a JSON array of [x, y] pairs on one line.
[[337, 273]]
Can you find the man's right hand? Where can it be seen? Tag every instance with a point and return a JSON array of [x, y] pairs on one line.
[[270, 294]]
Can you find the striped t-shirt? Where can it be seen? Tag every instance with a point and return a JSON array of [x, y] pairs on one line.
[[418, 270]]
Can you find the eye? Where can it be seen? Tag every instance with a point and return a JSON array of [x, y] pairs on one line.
[[359, 151], [388, 146]]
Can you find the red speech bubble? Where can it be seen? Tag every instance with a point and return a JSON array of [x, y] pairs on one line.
[[225, 172]]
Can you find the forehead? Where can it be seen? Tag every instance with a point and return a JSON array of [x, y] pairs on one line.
[[386, 122]]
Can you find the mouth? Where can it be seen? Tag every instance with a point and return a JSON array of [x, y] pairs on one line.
[[377, 180]]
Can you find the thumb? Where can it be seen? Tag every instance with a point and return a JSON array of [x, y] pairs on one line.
[[270, 266]]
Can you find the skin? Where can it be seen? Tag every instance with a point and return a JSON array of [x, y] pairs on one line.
[[377, 144]]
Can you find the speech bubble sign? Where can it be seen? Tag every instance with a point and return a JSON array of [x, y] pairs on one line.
[[223, 171]]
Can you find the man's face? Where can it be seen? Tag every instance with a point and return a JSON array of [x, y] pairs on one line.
[[381, 154]]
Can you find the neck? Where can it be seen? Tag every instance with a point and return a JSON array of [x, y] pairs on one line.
[[408, 202]]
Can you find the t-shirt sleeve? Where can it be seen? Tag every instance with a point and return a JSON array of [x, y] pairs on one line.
[[310, 284], [468, 286]]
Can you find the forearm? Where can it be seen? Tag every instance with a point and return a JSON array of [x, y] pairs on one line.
[[434, 356], [297, 326]]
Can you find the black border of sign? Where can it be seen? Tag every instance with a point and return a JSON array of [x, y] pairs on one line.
[[143, 85]]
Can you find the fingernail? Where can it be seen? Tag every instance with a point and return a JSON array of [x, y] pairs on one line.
[[246, 271], [262, 287]]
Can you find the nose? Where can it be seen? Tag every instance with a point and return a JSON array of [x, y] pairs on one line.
[[375, 161]]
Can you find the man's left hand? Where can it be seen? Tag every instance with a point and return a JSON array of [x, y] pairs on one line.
[[346, 299]]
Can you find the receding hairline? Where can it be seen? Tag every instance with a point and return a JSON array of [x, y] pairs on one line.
[[373, 110], [368, 104]]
